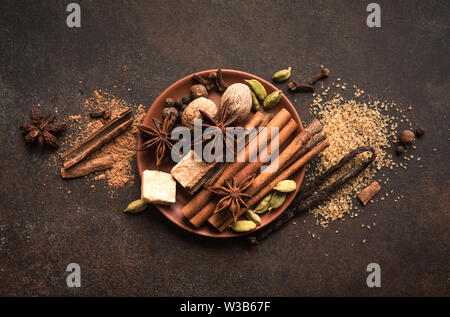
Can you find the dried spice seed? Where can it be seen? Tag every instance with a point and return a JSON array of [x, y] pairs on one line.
[[400, 149], [420, 132], [406, 137]]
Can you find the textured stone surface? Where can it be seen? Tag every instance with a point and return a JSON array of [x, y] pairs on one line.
[[42, 228]]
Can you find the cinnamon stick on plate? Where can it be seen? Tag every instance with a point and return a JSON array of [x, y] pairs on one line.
[[203, 197], [304, 142], [264, 189], [249, 169]]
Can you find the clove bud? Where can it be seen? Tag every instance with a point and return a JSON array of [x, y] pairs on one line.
[[300, 87], [324, 73]]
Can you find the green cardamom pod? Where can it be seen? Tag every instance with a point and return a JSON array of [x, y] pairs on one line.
[[251, 215], [243, 226], [276, 200], [136, 206], [272, 100], [282, 75], [257, 88], [286, 186], [255, 102], [263, 204]]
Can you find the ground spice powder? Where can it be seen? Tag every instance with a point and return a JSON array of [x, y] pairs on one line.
[[121, 149]]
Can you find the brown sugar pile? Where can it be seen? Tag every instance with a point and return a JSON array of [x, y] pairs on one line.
[[351, 123], [121, 149]]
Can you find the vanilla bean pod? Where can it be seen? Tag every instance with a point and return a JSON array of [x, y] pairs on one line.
[[307, 199]]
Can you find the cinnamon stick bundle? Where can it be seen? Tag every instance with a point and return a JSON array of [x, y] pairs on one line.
[[218, 219], [258, 120], [303, 137], [249, 169], [204, 196], [253, 167], [264, 189], [87, 167]]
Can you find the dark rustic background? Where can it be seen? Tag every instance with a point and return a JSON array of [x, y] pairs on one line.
[[43, 61]]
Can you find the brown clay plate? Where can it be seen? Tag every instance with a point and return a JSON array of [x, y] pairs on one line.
[[146, 159]]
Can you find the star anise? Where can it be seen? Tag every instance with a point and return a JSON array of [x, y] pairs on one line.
[[159, 136], [233, 195], [43, 129], [221, 124]]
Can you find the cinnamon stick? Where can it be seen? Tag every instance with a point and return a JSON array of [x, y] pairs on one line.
[[312, 143], [367, 193], [253, 167], [310, 197], [87, 167], [203, 197], [97, 139], [285, 156], [258, 120], [266, 188], [198, 219]]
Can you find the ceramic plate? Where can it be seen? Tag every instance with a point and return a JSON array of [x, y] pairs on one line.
[[146, 159]]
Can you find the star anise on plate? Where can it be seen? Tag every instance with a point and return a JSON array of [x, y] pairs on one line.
[[43, 129], [233, 195], [222, 123], [159, 136]]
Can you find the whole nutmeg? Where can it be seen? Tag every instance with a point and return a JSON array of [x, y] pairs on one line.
[[198, 91], [239, 100], [192, 111], [168, 110], [406, 137]]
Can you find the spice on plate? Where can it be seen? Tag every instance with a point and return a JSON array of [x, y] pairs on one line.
[[239, 99], [158, 136], [232, 195], [198, 91], [192, 111]]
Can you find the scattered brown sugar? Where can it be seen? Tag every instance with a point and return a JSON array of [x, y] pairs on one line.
[[351, 123], [122, 148]]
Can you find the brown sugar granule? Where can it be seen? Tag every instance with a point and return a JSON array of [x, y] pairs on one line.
[[349, 124]]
